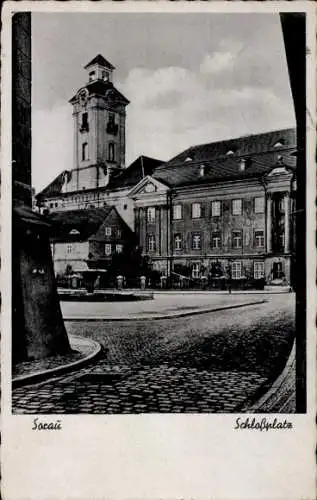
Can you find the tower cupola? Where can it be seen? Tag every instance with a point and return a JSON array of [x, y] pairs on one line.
[[99, 113], [99, 69]]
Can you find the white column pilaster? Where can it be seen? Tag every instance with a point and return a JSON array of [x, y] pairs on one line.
[[269, 223]]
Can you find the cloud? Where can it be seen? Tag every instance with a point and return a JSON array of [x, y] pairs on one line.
[[217, 62], [173, 108]]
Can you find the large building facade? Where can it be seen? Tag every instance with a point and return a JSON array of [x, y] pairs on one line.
[[217, 210], [222, 209]]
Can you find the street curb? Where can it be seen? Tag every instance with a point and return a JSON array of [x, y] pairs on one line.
[[277, 384], [269, 388], [163, 316], [41, 376], [221, 292]]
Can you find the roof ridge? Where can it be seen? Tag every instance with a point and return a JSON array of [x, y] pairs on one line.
[[99, 59], [269, 132]]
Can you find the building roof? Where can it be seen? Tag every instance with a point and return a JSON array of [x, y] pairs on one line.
[[130, 176], [125, 178], [54, 188], [99, 59], [103, 88], [221, 160], [24, 215], [245, 145], [75, 225]]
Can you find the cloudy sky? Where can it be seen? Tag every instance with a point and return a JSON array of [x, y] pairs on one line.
[[191, 78]]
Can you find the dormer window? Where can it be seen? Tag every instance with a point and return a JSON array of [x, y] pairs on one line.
[[202, 170], [242, 164], [188, 158], [74, 232], [231, 150], [92, 76], [279, 144]]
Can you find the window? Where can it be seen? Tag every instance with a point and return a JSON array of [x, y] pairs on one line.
[[236, 207], [259, 205], [236, 239], [258, 239], [277, 270], [236, 270], [92, 75], [177, 212], [151, 243], [84, 151], [112, 127], [196, 270], [69, 248], [108, 231], [215, 240], [216, 208], [196, 210], [177, 242], [258, 270], [150, 214], [281, 205], [105, 75], [119, 233], [108, 249], [84, 122], [196, 242], [119, 248], [111, 152], [279, 144]]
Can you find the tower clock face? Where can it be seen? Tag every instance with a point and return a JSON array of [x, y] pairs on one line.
[[83, 95]]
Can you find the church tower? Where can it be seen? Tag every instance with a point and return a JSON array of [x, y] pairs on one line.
[[99, 112]]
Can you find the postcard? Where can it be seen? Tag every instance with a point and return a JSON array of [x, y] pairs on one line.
[[158, 254]]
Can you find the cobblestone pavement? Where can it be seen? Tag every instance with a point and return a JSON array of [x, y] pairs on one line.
[[163, 389], [208, 363]]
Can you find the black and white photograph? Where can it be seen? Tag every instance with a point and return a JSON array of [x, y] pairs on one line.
[[158, 224], [157, 250]]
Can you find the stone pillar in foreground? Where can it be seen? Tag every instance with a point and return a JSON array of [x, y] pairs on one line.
[[287, 222]]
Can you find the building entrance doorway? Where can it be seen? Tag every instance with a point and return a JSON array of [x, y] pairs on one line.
[[277, 271]]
